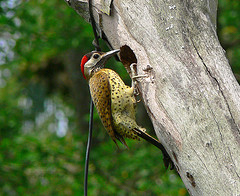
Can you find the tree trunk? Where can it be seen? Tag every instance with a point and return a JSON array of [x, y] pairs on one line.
[[190, 93]]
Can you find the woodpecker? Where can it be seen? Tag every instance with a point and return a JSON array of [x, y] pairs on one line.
[[115, 102]]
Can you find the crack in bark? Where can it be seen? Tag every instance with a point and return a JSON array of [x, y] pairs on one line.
[[196, 152], [202, 162], [214, 117], [214, 152], [218, 84], [200, 159], [233, 163]]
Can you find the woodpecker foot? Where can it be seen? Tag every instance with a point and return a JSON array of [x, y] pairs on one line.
[[139, 76], [135, 77]]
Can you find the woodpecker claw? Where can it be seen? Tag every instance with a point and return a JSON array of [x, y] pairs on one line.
[[139, 76], [134, 73], [135, 77], [135, 91]]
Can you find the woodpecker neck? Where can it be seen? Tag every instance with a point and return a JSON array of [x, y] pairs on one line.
[[91, 71]]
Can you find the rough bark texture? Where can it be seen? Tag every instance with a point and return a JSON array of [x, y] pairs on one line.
[[190, 93]]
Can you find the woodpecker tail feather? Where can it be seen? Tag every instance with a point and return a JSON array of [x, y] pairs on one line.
[[166, 158], [116, 143], [121, 139]]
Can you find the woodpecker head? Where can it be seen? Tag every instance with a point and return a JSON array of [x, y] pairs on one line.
[[94, 61]]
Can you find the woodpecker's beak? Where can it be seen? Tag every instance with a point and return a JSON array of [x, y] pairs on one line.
[[106, 56]]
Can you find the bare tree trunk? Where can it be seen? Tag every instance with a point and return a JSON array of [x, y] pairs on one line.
[[190, 93]]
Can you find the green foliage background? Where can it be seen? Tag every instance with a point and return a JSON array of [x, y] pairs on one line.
[[43, 124]]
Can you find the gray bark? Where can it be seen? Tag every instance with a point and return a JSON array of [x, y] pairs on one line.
[[190, 93]]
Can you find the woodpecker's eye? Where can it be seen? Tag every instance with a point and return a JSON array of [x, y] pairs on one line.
[[96, 56]]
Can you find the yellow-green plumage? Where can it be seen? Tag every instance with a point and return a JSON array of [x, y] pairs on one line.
[[115, 103]]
